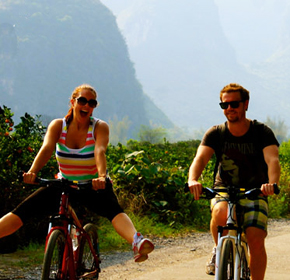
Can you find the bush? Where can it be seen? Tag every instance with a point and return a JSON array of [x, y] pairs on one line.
[[18, 147], [148, 178], [280, 205]]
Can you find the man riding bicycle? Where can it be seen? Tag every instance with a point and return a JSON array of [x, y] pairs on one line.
[[247, 157]]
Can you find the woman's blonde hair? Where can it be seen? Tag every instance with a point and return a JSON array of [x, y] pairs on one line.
[[74, 95]]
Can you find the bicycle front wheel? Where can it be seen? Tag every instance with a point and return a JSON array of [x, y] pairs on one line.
[[53, 256], [245, 269], [87, 265], [226, 265]]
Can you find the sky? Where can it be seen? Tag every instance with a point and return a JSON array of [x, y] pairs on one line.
[[254, 21], [256, 29]]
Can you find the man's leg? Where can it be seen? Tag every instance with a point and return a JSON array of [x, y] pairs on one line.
[[258, 257], [218, 218]]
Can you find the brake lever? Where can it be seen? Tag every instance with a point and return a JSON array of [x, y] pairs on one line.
[[186, 188], [276, 189], [254, 193]]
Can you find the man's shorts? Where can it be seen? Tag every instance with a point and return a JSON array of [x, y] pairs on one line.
[[255, 212]]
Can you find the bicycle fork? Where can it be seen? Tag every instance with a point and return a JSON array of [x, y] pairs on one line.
[[238, 245], [234, 236]]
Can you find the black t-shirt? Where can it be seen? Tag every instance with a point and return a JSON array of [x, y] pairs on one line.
[[241, 160]]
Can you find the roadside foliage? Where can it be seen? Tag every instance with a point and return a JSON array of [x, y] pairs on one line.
[[148, 178], [18, 147]]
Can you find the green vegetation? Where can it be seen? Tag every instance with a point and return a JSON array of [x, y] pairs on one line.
[[148, 179], [118, 130], [29, 256], [152, 135], [279, 127]]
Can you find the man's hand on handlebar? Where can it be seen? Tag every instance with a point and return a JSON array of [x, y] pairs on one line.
[[195, 188], [268, 189]]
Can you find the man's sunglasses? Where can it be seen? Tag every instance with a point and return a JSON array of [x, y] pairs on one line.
[[233, 104], [83, 101]]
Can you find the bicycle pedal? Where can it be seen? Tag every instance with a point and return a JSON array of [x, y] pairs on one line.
[[89, 275]]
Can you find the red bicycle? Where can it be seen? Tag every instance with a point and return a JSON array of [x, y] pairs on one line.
[[71, 250]]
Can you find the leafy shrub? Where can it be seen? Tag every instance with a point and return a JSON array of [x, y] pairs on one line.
[[280, 205], [148, 178], [18, 147]]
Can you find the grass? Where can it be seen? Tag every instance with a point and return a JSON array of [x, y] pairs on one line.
[[109, 240], [32, 255]]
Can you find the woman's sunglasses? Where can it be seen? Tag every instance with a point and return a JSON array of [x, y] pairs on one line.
[[83, 101], [233, 104]]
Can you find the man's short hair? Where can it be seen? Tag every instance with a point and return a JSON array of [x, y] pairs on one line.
[[245, 94]]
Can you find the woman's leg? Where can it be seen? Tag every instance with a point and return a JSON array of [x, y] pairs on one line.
[[124, 227], [39, 204], [9, 224], [106, 204]]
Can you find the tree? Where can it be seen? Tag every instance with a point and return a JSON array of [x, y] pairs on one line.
[[119, 130], [153, 135], [279, 127]]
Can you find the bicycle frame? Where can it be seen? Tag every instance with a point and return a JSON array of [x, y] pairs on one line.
[[65, 213], [233, 226], [234, 235], [68, 217]]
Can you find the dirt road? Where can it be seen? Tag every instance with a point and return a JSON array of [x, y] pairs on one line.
[[179, 258], [184, 259]]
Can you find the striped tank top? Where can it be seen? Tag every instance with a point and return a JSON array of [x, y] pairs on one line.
[[77, 164]]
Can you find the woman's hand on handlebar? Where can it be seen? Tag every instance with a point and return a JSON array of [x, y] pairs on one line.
[[29, 177], [195, 188], [99, 183]]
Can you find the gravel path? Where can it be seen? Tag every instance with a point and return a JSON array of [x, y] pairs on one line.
[[181, 254]]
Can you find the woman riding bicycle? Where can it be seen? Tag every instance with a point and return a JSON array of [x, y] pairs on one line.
[[81, 142]]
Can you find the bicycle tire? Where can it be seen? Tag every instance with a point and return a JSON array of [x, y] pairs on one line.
[[226, 265], [245, 269], [87, 262], [53, 256]]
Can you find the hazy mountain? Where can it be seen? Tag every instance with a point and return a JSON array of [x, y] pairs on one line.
[[47, 48], [262, 43], [186, 51], [253, 27]]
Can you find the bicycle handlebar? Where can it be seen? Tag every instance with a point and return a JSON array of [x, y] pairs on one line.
[[62, 182], [80, 185], [250, 194]]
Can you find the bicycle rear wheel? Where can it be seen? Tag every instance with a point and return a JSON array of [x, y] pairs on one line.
[[87, 265], [53, 256], [245, 269], [226, 265]]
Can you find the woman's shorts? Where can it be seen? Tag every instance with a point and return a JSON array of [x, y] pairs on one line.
[[46, 200]]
